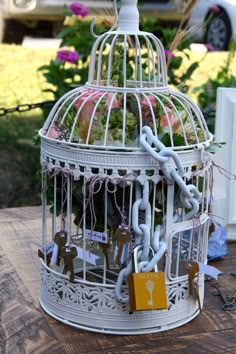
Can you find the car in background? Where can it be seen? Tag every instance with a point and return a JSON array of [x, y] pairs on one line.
[[17, 17], [213, 22]]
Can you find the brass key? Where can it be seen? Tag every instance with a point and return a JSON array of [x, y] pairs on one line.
[[105, 251], [60, 239], [122, 236], [192, 268], [68, 254]]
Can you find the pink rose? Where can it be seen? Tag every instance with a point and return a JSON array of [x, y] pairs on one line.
[[148, 100], [170, 117], [79, 9], [89, 99], [54, 132]]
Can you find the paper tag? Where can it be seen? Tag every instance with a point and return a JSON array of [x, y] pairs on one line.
[[209, 270], [87, 256], [48, 248], [96, 236], [54, 254]]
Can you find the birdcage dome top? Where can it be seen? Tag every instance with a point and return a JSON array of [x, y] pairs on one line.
[[126, 90]]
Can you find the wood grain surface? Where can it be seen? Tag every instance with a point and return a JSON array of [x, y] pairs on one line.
[[25, 328]]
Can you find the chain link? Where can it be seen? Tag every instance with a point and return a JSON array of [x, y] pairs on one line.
[[189, 194], [26, 107], [189, 197], [142, 237]]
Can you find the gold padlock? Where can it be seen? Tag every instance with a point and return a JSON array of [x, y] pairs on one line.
[[147, 290]]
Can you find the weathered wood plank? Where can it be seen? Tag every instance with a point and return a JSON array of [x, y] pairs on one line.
[[23, 326], [24, 213]]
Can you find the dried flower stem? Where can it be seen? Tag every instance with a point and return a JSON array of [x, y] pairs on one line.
[[180, 33]]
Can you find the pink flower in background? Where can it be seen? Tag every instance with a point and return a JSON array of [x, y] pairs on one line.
[[214, 8], [169, 54], [70, 56], [79, 9]]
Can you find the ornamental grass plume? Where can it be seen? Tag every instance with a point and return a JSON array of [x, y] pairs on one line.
[[79, 9], [70, 56], [181, 32]]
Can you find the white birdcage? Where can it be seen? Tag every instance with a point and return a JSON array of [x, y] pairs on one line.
[[124, 154]]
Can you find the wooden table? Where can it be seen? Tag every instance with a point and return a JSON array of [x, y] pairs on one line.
[[25, 328]]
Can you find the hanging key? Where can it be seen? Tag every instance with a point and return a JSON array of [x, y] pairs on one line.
[[47, 251], [105, 251], [60, 240], [192, 269], [68, 254], [122, 236]]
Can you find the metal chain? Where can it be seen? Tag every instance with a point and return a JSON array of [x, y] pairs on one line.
[[189, 197], [26, 107], [189, 194], [142, 236]]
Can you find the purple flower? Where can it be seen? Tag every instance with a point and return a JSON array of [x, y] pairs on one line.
[[169, 54], [71, 56], [79, 9], [214, 8]]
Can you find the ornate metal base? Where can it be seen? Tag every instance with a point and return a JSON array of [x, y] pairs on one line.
[[94, 307]]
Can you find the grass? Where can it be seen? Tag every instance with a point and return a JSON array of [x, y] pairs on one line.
[[19, 161], [20, 80], [21, 83], [209, 65]]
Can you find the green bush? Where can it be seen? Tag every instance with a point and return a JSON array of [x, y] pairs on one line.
[[207, 92], [19, 161]]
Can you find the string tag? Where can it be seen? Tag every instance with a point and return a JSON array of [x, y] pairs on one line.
[[209, 270], [88, 256], [96, 235]]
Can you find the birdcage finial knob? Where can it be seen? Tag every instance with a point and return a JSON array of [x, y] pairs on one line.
[[129, 16]]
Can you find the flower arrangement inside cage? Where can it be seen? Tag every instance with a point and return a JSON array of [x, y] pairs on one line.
[[112, 119], [127, 178]]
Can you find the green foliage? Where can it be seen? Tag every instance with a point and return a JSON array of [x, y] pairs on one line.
[[178, 139], [19, 161], [76, 36], [21, 83], [166, 36], [115, 132], [207, 92]]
